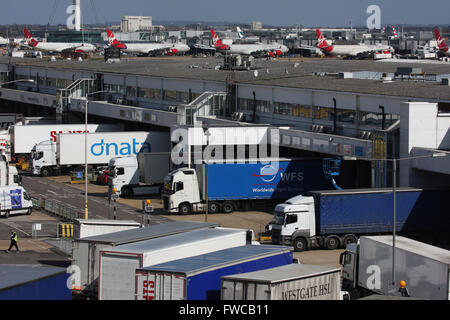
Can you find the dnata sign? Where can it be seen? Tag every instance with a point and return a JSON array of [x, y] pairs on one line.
[[119, 149]]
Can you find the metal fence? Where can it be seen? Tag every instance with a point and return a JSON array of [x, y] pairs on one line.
[[60, 209]]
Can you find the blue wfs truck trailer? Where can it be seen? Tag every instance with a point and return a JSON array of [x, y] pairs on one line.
[[199, 277], [335, 218], [232, 185]]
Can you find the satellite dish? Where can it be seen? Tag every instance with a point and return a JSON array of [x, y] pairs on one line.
[[255, 73]]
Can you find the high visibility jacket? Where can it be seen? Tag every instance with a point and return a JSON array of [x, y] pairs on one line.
[[14, 236]]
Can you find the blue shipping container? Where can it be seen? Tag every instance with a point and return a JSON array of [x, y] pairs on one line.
[[371, 211], [275, 180], [199, 277], [33, 282]]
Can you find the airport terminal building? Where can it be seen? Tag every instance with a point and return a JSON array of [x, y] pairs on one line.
[[365, 112]]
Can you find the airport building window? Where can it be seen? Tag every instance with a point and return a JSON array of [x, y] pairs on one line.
[[375, 119], [247, 104], [170, 95], [149, 93], [4, 77], [115, 88], [131, 92], [296, 110]]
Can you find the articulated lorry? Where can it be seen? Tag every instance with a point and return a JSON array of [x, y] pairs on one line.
[[68, 152], [367, 268], [139, 175], [335, 218], [25, 137], [229, 186]]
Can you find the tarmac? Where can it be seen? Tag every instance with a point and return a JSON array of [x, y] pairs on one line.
[[49, 250]]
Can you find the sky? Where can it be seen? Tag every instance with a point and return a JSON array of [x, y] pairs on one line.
[[309, 13]]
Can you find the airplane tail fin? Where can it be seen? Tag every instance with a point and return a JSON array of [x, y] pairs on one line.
[[440, 41], [30, 40], [240, 33], [394, 33], [216, 41], [322, 42]]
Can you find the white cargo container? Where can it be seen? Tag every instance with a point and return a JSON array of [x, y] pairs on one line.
[[118, 265], [85, 251], [139, 175], [289, 282], [93, 227], [25, 137], [69, 150]]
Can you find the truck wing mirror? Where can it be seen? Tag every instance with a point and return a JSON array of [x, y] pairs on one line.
[[341, 258]]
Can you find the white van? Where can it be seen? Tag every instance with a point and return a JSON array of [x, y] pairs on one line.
[[14, 200]]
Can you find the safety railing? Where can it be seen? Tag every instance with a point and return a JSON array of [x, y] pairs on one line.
[[58, 208]]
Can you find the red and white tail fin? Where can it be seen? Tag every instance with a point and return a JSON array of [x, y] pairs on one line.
[[323, 44], [30, 40], [441, 44], [113, 42], [216, 41], [394, 33]]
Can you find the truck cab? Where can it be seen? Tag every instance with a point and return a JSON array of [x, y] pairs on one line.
[[349, 262], [294, 222], [43, 156], [123, 172], [181, 191], [9, 176]]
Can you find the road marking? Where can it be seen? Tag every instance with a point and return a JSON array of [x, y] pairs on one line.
[[15, 226]]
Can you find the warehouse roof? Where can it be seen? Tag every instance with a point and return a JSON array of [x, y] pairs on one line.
[[12, 275], [153, 231], [295, 73], [210, 261], [283, 273]]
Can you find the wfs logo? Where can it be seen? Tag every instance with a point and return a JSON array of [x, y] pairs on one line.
[[268, 173], [122, 149]]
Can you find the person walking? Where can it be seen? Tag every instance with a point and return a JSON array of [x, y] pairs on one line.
[[13, 242]]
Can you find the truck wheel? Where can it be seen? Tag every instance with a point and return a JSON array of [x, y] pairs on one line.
[[29, 210], [45, 172], [227, 207], [184, 208], [213, 207], [348, 239], [125, 192], [300, 244], [332, 242], [6, 215]]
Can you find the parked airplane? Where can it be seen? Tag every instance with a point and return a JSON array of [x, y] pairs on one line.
[[3, 41], [442, 46], [163, 48], [256, 49], [244, 39], [359, 50], [57, 46]]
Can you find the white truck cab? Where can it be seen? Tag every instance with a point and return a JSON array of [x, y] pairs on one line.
[[123, 171], [294, 222], [181, 192], [9, 176], [43, 156]]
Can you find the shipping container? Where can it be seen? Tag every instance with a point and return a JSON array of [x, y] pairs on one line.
[[25, 137], [33, 282], [289, 282], [118, 265], [86, 250], [199, 277]]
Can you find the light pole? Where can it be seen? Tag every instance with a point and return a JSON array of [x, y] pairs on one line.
[[207, 134], [86, 216]]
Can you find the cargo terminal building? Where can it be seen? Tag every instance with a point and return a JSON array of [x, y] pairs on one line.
[[365, 112]]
